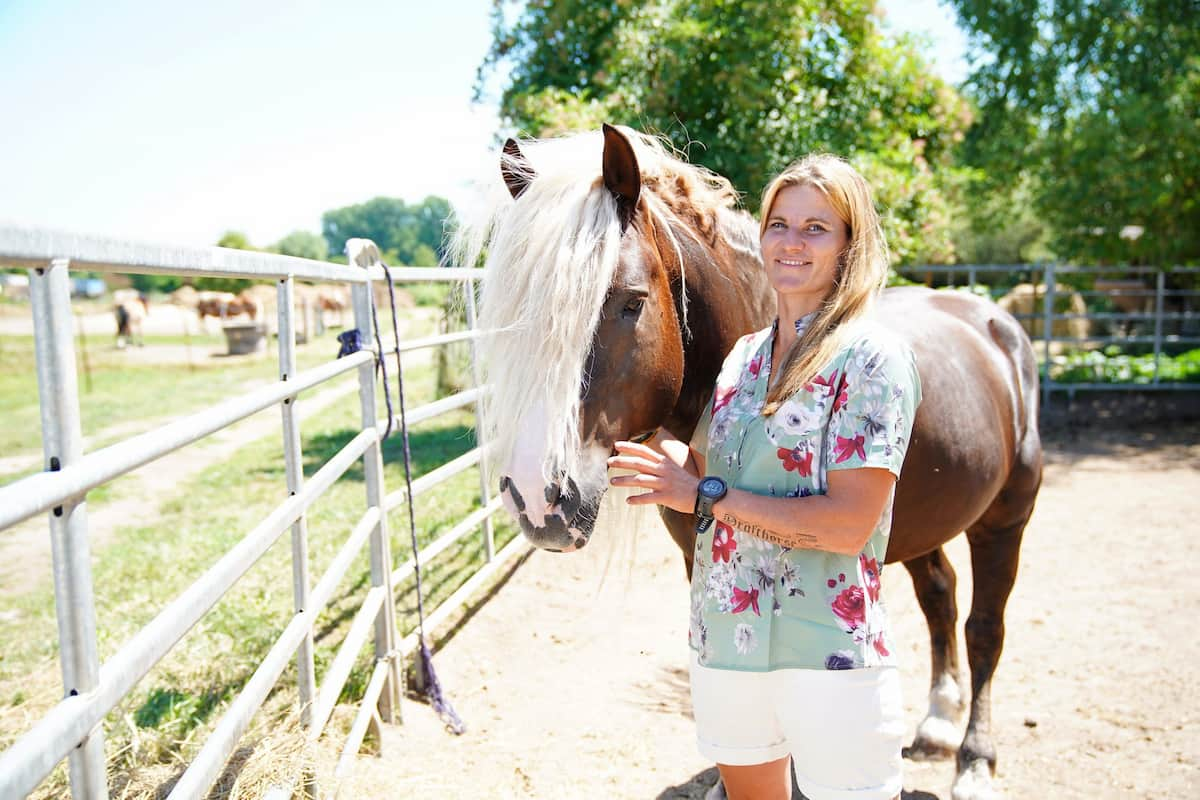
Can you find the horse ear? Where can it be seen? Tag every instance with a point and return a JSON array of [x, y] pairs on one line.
[[621, 173], [516, 169]]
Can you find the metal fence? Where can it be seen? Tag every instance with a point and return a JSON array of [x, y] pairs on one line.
[[1141, 295], [73, 728]]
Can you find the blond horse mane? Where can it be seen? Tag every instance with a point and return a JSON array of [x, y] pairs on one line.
[[550, 258]]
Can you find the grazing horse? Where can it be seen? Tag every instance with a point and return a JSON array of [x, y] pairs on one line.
[[618, 277], [130, 308], [222, 305]]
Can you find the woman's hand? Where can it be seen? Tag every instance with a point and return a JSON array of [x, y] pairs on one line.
[[671, 479]]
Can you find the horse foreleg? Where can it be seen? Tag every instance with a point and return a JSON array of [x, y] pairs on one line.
[[995, 550], [934, 582]]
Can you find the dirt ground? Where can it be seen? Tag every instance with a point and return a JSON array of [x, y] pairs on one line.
[[572, 678]]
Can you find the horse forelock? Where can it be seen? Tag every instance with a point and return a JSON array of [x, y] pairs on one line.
[[551, 257]]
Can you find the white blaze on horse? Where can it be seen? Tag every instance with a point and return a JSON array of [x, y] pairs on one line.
[[617, 279]]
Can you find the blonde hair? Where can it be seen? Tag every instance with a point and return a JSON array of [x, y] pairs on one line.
[[862, 270]]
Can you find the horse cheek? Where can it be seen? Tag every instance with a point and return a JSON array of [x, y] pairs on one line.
[[664, 367]]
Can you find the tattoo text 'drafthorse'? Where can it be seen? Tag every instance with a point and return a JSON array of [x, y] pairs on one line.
[[795, 539]]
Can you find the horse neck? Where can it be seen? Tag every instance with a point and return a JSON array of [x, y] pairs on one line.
[[728, 296]]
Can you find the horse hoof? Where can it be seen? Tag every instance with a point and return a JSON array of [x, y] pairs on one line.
[[975, 783], [936, 739], [921, 751]]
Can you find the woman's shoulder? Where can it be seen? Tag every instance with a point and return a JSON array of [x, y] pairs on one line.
[[877, 355], [746, 346], [868, 336]]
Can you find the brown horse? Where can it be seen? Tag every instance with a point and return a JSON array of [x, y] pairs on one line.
[[618, 277]]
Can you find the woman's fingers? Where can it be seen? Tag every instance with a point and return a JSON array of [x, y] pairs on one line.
[[639, 450], [640, 479], [633, 463]]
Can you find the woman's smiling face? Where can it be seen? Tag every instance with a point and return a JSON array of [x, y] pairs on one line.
[[802, 245]]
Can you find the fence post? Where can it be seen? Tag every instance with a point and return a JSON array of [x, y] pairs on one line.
[[62, 444], [1159, 289], [1050, 281], [305, 675], [364, 253], [485, 494]]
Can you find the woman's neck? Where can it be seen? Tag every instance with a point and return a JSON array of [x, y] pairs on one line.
[[793, 321]]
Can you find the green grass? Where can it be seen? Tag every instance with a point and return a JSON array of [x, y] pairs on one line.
[[128, 394], [144, 566]]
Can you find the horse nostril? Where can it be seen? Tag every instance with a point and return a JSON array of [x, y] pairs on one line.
[[553, 494]]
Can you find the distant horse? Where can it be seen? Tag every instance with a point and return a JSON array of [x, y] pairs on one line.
[[131, 309], [335, 299], [617, 279], [223, 305]]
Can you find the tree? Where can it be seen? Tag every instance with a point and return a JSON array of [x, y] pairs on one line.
[[303, 244], [235, 240], [756, 84], [397, 228], [1096, 103]]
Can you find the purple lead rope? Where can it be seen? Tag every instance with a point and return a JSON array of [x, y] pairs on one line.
[[432, 687], [351, 342]]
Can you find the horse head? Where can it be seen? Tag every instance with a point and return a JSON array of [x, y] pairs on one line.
[[583, 302]]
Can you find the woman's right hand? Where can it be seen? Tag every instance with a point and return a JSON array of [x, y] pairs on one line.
[[670, 473]]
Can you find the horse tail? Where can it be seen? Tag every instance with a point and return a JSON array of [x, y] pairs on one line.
[[1018, 351]]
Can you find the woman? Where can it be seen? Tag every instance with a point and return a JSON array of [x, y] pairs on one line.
[[797, 461]]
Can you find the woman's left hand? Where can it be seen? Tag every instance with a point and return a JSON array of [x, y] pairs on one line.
[[668, 483]]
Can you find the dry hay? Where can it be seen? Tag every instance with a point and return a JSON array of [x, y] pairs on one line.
[[1026, 298]]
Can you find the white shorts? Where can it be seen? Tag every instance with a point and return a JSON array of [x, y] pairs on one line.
[[843, 728]]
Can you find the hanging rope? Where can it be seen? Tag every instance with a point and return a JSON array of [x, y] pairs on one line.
[[351, 341]]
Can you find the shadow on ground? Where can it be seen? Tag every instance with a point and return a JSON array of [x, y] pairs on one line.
[[697, 787]]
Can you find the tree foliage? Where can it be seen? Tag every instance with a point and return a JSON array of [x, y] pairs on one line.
[[1097, 104], [405, 233], [303, 244], [745, 87]]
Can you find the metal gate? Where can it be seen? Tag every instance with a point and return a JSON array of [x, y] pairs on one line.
[[1151, 308], [73, 728]]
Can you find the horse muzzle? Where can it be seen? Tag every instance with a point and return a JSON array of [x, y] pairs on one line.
[[560, 521]]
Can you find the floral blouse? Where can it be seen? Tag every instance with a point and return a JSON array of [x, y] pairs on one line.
[[758, 606]]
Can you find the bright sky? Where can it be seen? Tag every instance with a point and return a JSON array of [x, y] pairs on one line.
[[174, 122]]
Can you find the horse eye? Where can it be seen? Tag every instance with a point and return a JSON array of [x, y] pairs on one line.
[[633, 307]]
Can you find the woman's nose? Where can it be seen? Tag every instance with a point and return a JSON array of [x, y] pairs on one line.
[[794, 241]]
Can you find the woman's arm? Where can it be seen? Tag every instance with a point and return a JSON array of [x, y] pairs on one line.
[[839, 521]]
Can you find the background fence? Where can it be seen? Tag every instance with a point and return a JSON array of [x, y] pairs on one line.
[[1079, 308], [73, 729]]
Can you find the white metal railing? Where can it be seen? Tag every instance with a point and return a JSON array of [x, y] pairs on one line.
[[1046, 293], [73, 728]]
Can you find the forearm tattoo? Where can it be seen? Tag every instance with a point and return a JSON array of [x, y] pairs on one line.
[[794, 539]]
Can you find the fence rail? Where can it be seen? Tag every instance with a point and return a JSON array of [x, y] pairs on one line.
[[73, 728], [1044, 279]]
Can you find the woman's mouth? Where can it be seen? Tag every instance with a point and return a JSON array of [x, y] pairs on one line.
[[791, 262]]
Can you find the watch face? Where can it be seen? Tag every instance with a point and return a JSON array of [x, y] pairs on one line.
[[711, 487]]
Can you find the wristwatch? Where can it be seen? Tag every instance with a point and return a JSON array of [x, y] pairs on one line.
[[710, 490]]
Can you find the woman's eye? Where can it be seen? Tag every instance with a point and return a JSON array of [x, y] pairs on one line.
[[776, 225], [815, 229], [633, 307]]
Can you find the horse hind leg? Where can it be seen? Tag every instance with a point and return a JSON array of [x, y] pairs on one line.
[[995, 543], [934, 581]]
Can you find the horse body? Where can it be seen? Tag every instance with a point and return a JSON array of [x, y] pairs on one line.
[[683, 281], [130, 308]]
